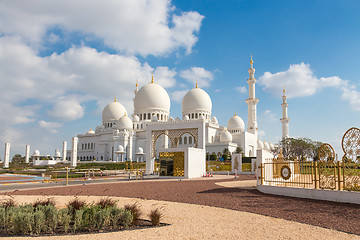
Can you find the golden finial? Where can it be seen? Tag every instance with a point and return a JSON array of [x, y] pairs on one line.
[[196, 85], [251, 61], [115, 99], [90, 129], [125, 114], [152, 79], [284, 90], [235, 114], [137, 83]]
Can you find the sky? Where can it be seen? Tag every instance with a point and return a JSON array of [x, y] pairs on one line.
[[61, 63]]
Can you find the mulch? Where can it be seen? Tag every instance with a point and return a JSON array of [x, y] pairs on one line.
[[338, 216]]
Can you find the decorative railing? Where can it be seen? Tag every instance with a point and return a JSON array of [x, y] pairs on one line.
[[308, 174]]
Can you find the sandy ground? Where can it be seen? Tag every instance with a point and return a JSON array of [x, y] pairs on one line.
[[190, 221]]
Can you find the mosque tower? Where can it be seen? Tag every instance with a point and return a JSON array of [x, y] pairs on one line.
[[285, 120], [252, 101]]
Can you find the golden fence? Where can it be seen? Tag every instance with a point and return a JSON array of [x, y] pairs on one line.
[[308, 174]]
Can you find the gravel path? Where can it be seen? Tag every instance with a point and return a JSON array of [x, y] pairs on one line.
[[337, 216]]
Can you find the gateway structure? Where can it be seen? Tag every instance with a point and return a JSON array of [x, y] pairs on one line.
[[151, 130]]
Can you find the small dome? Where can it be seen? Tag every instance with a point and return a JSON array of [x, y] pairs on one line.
[[112, 112], [57, 153], [260, 144], [36, 153], [136, 118], [124, 123], [272, 147], [171, 119], [236, 124], [90, 132], [186, 118], [225, 137], [140, 150], [266, 146], [196, 100], [151, 96], [120, 148], [214, 120]]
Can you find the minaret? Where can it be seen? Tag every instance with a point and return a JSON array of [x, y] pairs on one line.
[[252, 101], [285, 120]]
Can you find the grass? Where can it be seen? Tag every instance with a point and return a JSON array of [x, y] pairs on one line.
[[135, 212], [156, 215], [106, 202]]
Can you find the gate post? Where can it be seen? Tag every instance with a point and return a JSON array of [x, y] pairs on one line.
[[315, 170], [339, 174]]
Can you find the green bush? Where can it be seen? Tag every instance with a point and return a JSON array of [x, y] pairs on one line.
[[135, 212], [37, 219]]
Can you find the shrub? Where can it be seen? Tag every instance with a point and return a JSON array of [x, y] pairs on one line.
[[155, 216], [120, 217], [51, 217], [46, 202], [64, 219], [24, 221], [77, 220], [106, 202], [39, 222], [135, 212]]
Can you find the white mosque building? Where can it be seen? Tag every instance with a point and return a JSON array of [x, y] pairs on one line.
[[124, 137]]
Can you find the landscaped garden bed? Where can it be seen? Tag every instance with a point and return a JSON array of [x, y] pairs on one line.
[[43, 218]]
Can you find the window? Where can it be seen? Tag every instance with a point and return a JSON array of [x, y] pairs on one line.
[[190, 140], [144, 116], [192, 115], [185, 140], [180, 140], [158, 116], [162, 116], [149, 116], [196, 115]]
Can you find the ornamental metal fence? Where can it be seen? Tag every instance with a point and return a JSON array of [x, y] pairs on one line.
[[308, 174]]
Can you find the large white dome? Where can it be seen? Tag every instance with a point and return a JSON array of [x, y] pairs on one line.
[[196, 100], [236, 124], [152, 96], [113, 111]]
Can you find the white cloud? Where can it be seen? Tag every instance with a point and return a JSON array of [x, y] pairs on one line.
[[178, 95], [261, 134], [241, 89], [165, 77], [50, 126], [203, 76], [269, 116], [67, 109], [300, 81], [133, 27]]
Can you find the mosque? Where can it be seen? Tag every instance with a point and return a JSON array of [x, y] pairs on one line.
[[126, 137]]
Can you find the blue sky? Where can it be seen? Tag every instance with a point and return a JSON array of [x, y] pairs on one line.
[[61, 63]]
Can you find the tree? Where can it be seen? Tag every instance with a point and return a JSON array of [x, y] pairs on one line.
[[239, 150], [17, 158], [301, 148]]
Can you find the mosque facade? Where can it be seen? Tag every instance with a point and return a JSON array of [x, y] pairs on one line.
[[123, 136]]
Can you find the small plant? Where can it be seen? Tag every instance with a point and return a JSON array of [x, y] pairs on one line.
[[156, 215], [46, 202], [135, 212], [106, 202]]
